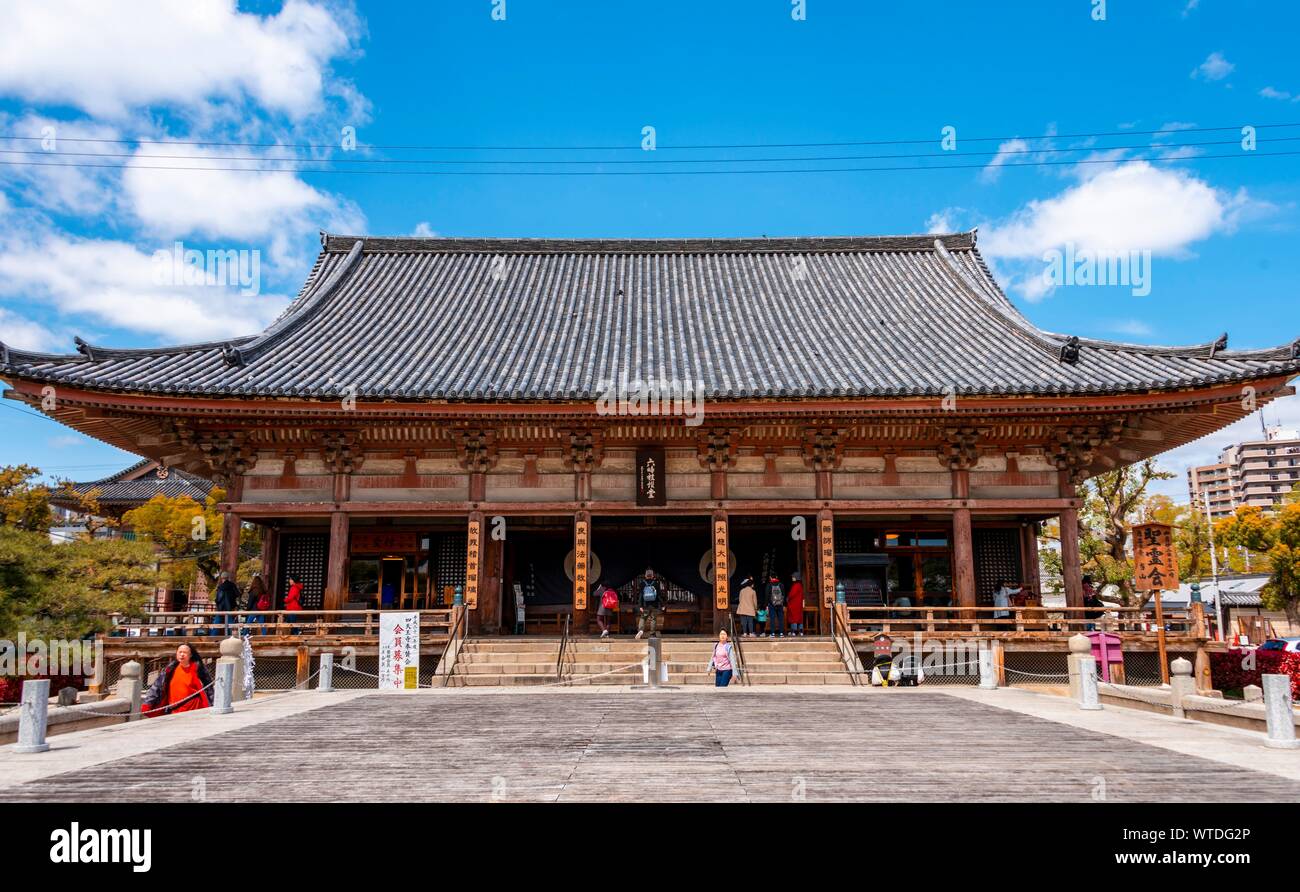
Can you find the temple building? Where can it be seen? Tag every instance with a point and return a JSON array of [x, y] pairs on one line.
[[501, 415]]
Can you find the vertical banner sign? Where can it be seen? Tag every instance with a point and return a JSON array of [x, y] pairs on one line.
[[473, 560], [826, 543], [399, 651], [650, 468], [581, 558], [721, 570], [1155, 561]]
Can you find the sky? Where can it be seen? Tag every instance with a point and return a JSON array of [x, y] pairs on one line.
[[1111, 128]]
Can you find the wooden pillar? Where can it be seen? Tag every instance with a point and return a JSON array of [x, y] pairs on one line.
[[721, 570], [1071, 571], [492, 612], [1029, 557], [963, 556], [270, 555], [336, 582], [230, 543], [581, 562]]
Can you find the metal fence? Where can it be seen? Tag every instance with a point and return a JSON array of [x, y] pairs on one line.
[[1036, 668]]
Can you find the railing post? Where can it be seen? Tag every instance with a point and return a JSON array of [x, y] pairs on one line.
[[232, 653], [34, 717], [130, 687], [988, 675], [326, 683], [1088, 698], [225, 679], [1277, 711], [1080, 653], [1181, 684]]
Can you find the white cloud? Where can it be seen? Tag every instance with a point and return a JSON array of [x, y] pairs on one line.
[[424, 230], [16, 331], [1129, 327], [1280, 95], [1214, 68], [115, 284], [1132, 207], [1010, 149], [91, 55]]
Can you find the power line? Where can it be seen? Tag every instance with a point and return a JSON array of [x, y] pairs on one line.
[[637, 147], [777, 160], [584, 173]]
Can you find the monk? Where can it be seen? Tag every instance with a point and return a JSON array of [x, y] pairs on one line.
[[182, 686]]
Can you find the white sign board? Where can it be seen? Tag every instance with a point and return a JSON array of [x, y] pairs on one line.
[[399, 651]]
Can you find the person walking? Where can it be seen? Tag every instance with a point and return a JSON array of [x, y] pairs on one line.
[[1090, 599], [650, 591], [794, 610], [183, 685], [608, 600], [775, 608], [747, 607], [226, 599], [723, 662]]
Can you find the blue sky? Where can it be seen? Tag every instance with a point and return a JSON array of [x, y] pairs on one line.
[[76, 242]]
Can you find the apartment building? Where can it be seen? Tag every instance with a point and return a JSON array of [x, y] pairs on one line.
[[1257, 472]]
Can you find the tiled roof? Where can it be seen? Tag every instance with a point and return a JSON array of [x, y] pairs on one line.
[[140, 483], [519, 319]]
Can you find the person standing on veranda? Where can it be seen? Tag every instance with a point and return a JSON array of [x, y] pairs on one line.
[[650, 594], [794, 607], [747, 607]]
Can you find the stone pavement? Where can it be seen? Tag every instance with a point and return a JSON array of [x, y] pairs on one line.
[[602, 744]]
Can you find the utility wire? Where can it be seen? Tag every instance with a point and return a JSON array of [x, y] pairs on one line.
[[586, 173], [629, 148], [589, 162]]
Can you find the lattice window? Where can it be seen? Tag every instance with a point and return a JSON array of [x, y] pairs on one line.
[[306, 556], [450, 558], [997, 556], [849, 541]]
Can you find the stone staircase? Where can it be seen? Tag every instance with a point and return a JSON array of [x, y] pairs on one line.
[[493, 662]]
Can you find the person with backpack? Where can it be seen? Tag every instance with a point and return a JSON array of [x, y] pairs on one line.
[[775, 608], [608, 600], [226, 598], [259, 600], [650, 599], [747, 607]]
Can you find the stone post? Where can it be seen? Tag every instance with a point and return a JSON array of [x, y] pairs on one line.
[[232, 652], [34, 717], [221, 690], [129, 687], [1277, 711], [1088, 698], [325, 684], [988, 675], [1253, 693], [1181, 684], [1080, 653]]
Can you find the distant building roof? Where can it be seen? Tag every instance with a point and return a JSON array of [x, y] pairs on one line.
[[535, 319], [1238, 591], [141, 482]]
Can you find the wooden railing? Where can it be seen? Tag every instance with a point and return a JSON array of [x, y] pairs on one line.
[[1030, 622], [269, 623]]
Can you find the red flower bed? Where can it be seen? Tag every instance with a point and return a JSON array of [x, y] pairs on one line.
[[1228, 672], [11, 687]]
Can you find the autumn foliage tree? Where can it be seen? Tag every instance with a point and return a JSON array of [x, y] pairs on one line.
[[1275, 536], [187, 531]]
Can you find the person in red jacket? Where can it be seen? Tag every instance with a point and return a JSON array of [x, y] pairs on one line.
[[794, 605], [293, 599], [183, 685]]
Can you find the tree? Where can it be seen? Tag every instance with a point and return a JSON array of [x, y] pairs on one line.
[[24, 503], [1110, 503], [189, 533], [68, 591], [1276, 536]]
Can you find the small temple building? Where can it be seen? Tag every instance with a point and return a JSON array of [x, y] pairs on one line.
[[526, 415]]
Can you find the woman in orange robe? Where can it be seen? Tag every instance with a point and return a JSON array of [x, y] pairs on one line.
[[182, 686]]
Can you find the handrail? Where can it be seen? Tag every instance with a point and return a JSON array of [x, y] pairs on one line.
[[452, 651], [741, 673], [1019, 619], [268, 623], [564, 643], [844, 644]]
